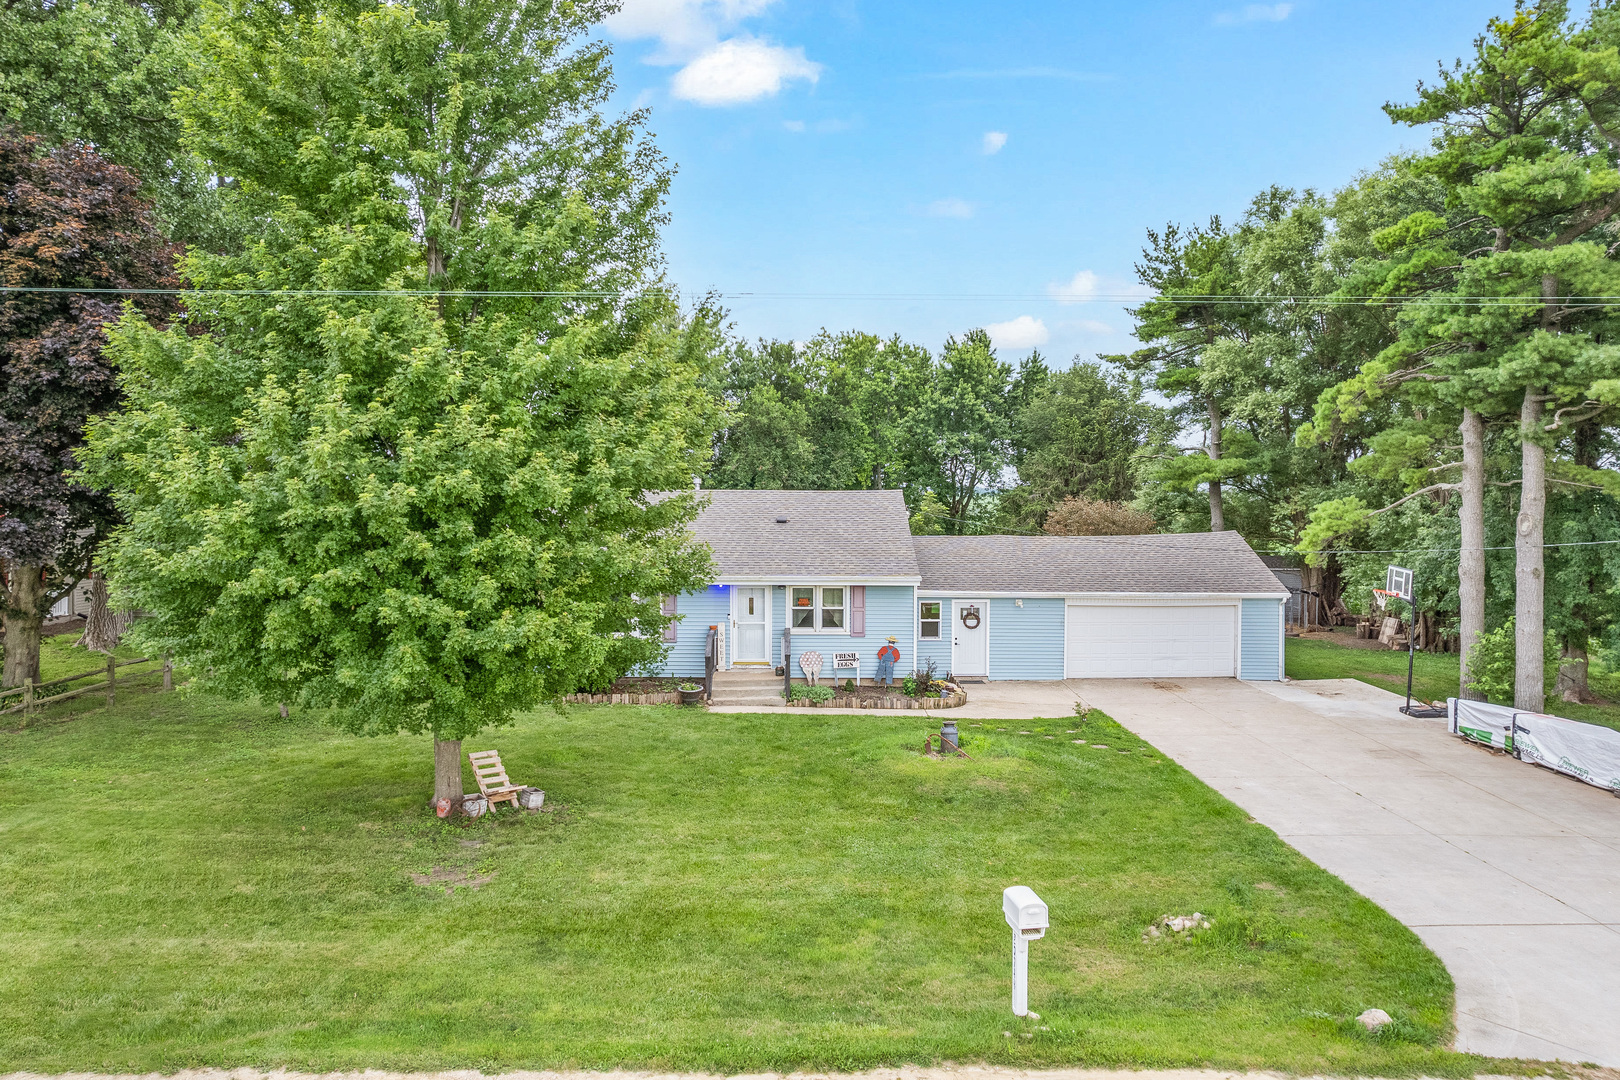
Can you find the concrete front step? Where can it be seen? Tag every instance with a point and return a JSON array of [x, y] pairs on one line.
[[754, 687]]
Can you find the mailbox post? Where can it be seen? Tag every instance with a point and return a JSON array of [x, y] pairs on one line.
[[1026, 914]]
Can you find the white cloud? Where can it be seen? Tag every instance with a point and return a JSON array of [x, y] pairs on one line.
[[793, 125], [1092, 326], [719, 65], [951, 207], [741, 69], [1081, 287], [1024, 332], [684, 28], [1255, 13], [994, 141]]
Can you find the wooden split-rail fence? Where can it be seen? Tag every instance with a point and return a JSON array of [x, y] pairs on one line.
[[108, 680]]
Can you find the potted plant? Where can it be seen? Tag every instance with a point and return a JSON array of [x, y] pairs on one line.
[[691, 693]]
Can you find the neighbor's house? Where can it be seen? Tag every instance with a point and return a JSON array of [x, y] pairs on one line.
[[842, 569]]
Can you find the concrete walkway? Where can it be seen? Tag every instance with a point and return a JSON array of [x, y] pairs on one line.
[[1510, 873]]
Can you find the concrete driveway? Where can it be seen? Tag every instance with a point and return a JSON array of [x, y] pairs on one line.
[[1511, 874]]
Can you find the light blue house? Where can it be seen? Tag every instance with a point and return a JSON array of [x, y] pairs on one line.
[[843, 570]]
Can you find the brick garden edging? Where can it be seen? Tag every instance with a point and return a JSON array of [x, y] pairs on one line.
[[671, 697]]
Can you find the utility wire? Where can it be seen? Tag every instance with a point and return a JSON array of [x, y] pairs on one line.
[[1276, 551], [1094, 298]]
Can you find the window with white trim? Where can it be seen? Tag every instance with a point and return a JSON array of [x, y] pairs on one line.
[[928, 618], [818, 609]]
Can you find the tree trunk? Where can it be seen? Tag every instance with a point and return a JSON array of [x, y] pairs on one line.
[[1572, 674], [103, 627], [1217, 508], [1529, 689], [1471, 560], [447, 771], [24, 613]]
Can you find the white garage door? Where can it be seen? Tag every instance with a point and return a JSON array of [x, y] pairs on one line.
[[1126, 642]]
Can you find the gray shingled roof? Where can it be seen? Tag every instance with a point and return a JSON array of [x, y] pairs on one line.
[[1159, 563], [848, 534]]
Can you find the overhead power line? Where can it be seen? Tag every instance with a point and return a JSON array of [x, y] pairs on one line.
[[1529, 302], [1274, 551]]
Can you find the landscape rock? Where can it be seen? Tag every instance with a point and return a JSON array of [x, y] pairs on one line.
[[1373, 1019]]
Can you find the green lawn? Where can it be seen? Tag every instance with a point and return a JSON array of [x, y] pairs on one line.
[[1434, 676], [187, 882]]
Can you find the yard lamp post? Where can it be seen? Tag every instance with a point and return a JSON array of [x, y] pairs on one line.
[[1026, 914]]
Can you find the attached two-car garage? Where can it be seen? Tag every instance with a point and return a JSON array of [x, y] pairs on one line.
[[1161, 606], [1151, 640]]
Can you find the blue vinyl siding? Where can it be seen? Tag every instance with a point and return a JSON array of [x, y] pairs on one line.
[[938, 649], [1262, 641], [888, 611], [1026, 642], [697, 611]]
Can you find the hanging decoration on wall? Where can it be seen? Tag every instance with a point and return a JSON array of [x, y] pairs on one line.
[[970, 616]]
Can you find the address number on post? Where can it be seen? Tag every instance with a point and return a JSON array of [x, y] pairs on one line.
[[846, 659]]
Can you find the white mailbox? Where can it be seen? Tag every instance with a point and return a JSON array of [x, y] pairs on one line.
[[1026, 914]]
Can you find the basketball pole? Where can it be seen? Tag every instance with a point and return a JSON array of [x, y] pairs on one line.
[[1411, 643]]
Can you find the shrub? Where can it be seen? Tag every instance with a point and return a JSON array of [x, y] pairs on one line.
[[1094, 517], [817, 694], [849, 684], [1490, 663], [908, 686], [920, 683]]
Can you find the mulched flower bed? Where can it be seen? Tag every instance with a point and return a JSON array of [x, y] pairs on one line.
[[868, 692]]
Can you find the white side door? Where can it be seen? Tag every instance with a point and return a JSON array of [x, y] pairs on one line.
[[753, 623], [970, 637]]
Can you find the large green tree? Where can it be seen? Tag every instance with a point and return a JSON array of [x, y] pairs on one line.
[[420, 509], [1082, 435], [960, 434], [1194, 329]]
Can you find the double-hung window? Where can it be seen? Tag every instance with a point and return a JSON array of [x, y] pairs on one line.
[[928, 618], [817, 608]]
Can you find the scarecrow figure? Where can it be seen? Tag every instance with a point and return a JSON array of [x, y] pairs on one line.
[[888, 656]]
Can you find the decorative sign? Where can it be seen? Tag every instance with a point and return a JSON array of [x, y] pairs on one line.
[[1398, 582], [846, 659], [970, 616], [810, 663]]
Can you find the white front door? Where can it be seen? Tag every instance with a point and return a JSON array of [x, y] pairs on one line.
[[970, 637], [753, 621]]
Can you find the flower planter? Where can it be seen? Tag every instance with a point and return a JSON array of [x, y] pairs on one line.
[[691, 697]]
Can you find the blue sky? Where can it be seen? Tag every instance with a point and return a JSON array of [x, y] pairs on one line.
[[848, 148]]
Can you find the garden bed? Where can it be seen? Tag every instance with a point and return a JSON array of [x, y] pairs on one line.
[[882, 697]]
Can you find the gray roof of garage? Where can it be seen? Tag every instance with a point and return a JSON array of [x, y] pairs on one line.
[[1159, 563], [847, 534]]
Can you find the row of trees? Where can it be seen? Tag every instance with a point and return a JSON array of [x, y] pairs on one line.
[[977, 444]]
